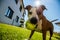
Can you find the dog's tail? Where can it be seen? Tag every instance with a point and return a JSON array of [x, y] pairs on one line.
[[54, 20]]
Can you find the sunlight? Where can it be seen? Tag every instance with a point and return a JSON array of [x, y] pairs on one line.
[[37, 3]]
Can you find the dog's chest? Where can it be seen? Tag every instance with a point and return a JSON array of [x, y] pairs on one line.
[[39, 27]]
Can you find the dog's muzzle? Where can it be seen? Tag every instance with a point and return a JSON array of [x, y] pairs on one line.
[[33, 20]]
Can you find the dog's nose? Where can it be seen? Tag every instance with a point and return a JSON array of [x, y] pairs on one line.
[[33, 20]]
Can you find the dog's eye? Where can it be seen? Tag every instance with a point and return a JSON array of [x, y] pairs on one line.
[[30, 12]]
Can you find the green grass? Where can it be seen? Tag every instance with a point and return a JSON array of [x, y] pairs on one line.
[[9, 32]]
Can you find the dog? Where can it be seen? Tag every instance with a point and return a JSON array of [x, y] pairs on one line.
[[37, 18]]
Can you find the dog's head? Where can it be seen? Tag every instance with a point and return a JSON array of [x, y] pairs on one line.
[[40, 10], [34, 12]]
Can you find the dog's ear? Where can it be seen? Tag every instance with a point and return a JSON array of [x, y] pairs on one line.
[[28, 7], [43, 7]]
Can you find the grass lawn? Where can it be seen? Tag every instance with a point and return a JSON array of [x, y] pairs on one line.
[[9, 32]]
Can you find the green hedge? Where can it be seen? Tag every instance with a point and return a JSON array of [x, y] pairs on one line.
[[9, 32]]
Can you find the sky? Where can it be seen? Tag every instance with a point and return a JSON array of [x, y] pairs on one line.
[[52, 13]]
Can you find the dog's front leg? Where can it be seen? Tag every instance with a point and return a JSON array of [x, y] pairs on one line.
[[32, 32]]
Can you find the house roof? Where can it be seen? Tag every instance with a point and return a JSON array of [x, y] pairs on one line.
[[57, 23]]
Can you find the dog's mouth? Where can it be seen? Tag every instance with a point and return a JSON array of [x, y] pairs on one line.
[[33, 20]]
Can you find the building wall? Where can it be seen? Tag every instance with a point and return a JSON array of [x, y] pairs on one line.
[[15, 7]]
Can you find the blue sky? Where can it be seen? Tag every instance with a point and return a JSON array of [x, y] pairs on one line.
[[53, 11]]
